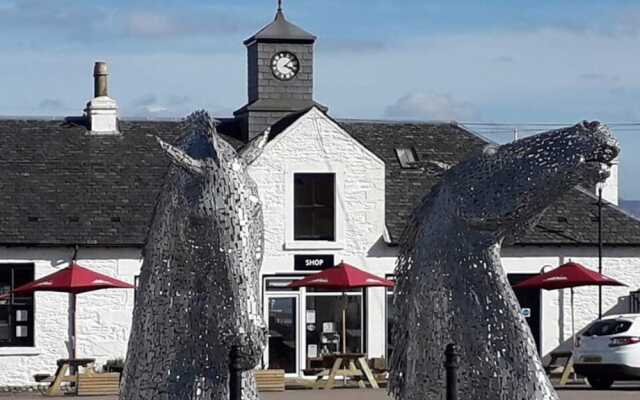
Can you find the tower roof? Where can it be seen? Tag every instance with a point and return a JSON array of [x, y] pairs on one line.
[[281, 30]]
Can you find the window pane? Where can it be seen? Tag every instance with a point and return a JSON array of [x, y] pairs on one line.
[[22, 275], [303, 189], [407, 157], [390, 323], [303, 218], [326, 332], [5, 330], [16, 312], [282, 334], [325, 190], [323, 224], [611, 327], [5, 279], [22, 315], [22, 331], [314, 202]]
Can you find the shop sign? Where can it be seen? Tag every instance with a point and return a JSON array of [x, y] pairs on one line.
[[312, 262]]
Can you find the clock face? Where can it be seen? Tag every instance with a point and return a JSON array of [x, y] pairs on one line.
[[285, 65]]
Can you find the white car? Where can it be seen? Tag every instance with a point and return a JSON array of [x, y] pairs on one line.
[[609, 350]]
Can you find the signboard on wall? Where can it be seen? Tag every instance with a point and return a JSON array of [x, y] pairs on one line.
[[313, 262]]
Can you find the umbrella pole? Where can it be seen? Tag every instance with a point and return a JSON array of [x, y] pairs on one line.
[[72, 329], [573, 333], [344, 322]]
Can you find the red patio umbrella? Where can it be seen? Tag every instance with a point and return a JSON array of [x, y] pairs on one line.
[[568, 275], [73, 279], [342, 277]]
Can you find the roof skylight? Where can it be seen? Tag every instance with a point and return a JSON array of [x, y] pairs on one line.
[[407, 157]]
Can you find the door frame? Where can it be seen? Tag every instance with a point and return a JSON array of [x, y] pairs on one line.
[[267, 297], [518, 277], [301, 335]]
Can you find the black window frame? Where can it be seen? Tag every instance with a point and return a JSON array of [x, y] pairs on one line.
[[12, 306], [315, 208]]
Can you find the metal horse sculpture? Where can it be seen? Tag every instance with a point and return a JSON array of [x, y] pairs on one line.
[[199, 291], [451, 287]]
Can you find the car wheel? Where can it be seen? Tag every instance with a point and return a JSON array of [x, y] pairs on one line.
[[600, 382]]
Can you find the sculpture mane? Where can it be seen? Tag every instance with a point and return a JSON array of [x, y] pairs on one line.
[[199, 285], [451, 287]]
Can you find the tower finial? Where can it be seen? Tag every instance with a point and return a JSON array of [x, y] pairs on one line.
[[280, 5]]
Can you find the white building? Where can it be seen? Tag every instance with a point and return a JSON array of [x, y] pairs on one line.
[[331, 190]]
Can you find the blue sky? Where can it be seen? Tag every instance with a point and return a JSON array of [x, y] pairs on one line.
[[479, 61]]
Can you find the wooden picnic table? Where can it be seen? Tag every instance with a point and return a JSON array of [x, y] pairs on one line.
[[352, 365], [86, 382], [567, 367], [71, 366]]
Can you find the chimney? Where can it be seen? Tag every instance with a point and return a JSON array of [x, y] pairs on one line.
[[100, 79], [102, 110]]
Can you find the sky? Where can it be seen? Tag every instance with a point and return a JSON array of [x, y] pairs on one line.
[[509, 61]]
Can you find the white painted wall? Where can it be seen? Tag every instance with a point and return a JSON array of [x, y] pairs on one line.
[[103, 317], [621, 263], [316, 144]]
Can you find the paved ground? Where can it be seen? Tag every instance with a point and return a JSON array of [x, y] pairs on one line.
[[619, 392]]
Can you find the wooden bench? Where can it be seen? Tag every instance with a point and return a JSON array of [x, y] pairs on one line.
[[270, 380], [98, 384]]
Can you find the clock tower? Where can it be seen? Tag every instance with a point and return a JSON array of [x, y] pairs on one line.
[[280, 75]]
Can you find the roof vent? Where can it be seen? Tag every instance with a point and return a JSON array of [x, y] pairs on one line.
[[102, 110]]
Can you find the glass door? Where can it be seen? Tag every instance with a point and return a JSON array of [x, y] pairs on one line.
[[323, 329], [282, 346]]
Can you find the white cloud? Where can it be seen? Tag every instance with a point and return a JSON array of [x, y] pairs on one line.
[[52, 106], [432, 107], [152, 105], [152, 24]]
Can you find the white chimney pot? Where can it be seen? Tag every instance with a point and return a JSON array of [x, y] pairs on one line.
[[102, 110]]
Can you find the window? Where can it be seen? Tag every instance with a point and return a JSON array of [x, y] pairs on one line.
[[407, 157], [391, 319], [314, 207], [16, 311], [323, 324], [609, 327]]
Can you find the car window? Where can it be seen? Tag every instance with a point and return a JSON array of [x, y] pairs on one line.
[[610, 327]]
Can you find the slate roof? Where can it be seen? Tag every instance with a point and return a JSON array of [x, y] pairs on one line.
[[59, 186], [569, 221], [574, 220], [281, 29]]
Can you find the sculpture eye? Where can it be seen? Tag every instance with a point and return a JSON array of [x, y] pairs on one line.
[[490, 150]]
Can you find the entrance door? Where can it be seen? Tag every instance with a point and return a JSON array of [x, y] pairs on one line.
[[282, 346], [529, 300]]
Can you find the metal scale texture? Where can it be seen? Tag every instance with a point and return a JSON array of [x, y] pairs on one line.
[[199, 285], [451, 287]]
